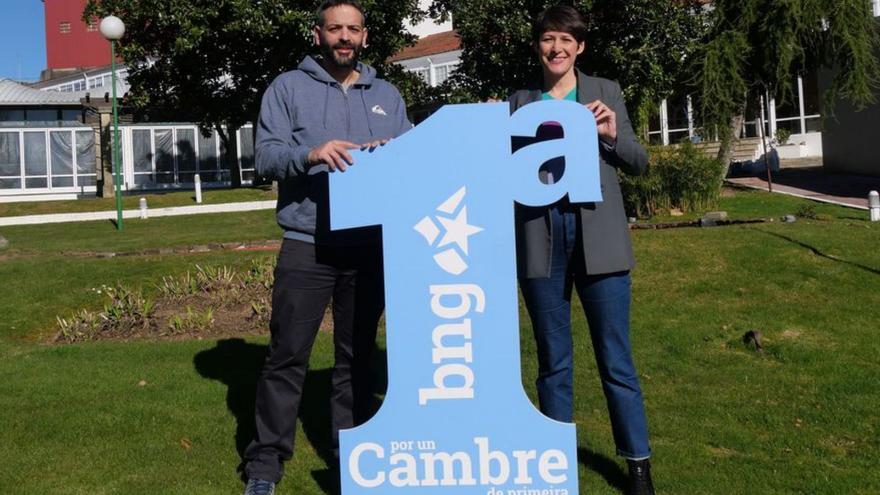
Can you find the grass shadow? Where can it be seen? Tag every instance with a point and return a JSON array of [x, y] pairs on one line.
[[604, 466], [237, 364], [820, 253], [314, 413]]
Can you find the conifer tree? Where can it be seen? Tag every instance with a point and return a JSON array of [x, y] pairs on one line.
[[755, 47]]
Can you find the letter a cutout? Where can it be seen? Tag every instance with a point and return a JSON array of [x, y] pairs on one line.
[[456, 419]]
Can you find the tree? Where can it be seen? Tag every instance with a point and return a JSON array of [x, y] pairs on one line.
[[209, 61], [644, 44], [756, 47]]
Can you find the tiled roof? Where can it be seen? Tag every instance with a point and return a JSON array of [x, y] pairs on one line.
[[433, 44], [13, 93]]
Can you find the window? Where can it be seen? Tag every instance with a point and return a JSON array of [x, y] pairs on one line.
[[72, 87], [92, 26], [246, 153], [41, 114], [678, 120], [10, 160], [186, 155], [169, 157], [35, 164], [100, 81], [442, 73], [422, 73], [208, 157], [64, 27], [11, 115], [47, 159], [163, 143], [142, 154], [71, 114], [876, 5], [86, 164]]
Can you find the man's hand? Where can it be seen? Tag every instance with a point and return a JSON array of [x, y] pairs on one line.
[[606, 121], [334, 153], [373, 145]]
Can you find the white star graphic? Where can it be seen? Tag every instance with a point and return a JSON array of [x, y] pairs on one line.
[[458, 230]]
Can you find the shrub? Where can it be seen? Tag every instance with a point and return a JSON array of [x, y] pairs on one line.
[[807, 210], [678, 176], [782, 136]]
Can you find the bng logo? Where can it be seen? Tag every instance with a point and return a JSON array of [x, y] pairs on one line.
[[452, 216]]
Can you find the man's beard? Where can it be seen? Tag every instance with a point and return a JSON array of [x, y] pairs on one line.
[[341, 62]]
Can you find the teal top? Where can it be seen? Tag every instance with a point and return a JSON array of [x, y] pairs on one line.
[[571, 96]]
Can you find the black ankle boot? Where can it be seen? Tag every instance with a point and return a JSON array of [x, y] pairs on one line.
[[640, 478]]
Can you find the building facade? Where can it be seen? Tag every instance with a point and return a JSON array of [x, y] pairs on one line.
[[848, 131], [71, 43], [800, 118]]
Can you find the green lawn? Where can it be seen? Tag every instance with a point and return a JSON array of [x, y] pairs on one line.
[[138, 235], [131, 201], [802, 417], [749, 204]]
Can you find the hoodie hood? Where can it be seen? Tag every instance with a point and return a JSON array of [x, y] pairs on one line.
[[313, 68], [316, 71]]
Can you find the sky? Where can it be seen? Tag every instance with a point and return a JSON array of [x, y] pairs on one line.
[[22, 39]]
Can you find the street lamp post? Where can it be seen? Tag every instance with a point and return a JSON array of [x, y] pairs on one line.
[[113, 28]]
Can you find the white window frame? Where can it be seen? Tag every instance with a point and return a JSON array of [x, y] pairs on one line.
[[767, 112], [423, 73], [75, 175], [222, 174], [450, 68]]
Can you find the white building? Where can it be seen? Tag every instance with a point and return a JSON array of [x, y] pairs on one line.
[[437, 52], [676, 120], [45, 149], [96, 82]]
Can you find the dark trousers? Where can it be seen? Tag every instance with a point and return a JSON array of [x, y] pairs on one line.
[[306, 277]]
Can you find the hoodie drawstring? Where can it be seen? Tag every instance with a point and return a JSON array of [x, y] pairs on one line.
[[367, 112], [326, 102]]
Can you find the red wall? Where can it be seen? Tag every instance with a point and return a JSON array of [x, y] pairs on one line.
[[79, 48]]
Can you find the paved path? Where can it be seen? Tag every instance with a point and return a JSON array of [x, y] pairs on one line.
[[816, 184], [151, 213]]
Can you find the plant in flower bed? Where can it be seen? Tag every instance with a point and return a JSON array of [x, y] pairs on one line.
[[127, 313], [210, 300], [678, 177], [192, 321]]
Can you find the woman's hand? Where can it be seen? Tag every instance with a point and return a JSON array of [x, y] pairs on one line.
[[606, 121]]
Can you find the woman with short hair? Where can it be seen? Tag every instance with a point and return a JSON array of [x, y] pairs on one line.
[[585, 246]]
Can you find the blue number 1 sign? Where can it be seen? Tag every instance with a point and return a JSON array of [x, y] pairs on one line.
[[455, 419]]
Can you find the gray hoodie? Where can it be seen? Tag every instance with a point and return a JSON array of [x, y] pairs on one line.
[[304, 108]]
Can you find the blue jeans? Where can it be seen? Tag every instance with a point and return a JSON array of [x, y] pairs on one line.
[[606, 300]]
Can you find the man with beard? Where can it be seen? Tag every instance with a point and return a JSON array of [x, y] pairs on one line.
[[309, 120]]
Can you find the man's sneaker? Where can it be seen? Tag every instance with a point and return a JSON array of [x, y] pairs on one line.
[[640, 478], [259, 487]]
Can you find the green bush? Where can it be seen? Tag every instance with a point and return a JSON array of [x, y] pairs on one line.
[[678, 176]]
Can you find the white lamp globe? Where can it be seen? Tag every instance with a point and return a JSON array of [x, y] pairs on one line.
[[112, 27]]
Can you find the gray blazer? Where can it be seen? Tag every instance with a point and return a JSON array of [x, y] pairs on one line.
[[606, 243]]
